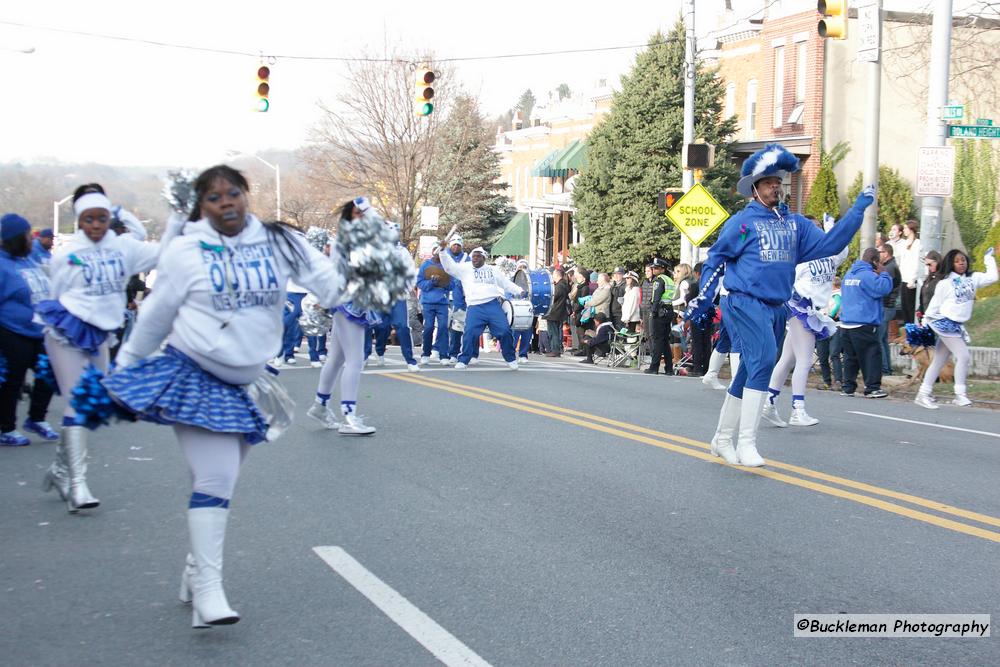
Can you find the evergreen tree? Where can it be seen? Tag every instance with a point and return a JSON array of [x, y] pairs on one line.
[[525, 105], [823, 197], [178, 190], [563, 91], [634, 153], [462, 177]]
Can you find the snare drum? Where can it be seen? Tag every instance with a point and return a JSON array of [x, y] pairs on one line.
[[519, 314], [538, 285]]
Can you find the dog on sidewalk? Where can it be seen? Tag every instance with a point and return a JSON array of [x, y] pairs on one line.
[[923, 357]]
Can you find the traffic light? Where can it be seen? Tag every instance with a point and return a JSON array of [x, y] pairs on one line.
[[667, 198], [263, 88], [424, 92], [834, 21]]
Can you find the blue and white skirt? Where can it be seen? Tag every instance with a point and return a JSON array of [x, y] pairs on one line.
[[949, 329], [820, 324], [68, 328], [362, 317], [171, 388]]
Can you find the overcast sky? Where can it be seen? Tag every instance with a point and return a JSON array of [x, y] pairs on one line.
[[79, 98]]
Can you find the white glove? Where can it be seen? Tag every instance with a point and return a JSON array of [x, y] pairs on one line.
[[989, 251]]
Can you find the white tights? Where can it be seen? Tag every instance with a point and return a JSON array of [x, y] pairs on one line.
[[946, 347], [798, 351], [346, 358], [68, 364], [213, 458]]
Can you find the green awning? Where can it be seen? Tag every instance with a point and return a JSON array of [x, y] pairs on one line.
[[515, 237], [542, 167], [572, 158]]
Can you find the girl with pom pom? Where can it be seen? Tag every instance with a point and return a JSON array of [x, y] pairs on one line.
[[218, 302], [89, 276], [755, 256], [947, 313]]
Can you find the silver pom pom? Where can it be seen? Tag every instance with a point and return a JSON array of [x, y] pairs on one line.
[[377, 275]]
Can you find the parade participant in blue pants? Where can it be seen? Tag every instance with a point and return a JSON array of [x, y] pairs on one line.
[[484, 287], [435, 285], [397, 318], [458, 307], [757, 251]]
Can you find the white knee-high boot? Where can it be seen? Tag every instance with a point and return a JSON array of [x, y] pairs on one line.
[[729, 418], [750, 414], [74, 440], [207, 526], [711, 378], [57, 476], [734, 363]]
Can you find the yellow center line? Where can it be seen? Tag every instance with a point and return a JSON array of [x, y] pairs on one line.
[[805, 472], [591, 422]]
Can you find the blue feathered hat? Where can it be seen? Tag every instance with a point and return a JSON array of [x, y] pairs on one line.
[[771, 160]]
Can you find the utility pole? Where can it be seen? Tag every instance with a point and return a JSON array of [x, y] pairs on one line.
[[937, 97], [688, 251], [872, 129]]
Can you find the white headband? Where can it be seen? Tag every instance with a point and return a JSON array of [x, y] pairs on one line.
[[91, 200]]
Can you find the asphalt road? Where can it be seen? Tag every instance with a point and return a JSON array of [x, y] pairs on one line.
[[557, 515]]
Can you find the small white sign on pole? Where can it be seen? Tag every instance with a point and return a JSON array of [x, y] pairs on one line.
[[935, 171], [870, 37], [427, 245], [429, 217]]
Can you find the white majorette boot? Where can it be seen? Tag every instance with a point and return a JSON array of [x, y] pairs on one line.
[[729, 419], [750, 414], [799, 415], [57, 476], [770, 413], [711, 377], [75, 443], [209, 606], [187, 576], [734, 364]]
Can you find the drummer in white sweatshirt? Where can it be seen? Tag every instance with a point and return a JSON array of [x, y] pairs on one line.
[[484, 288], [89, 274], [950, 308], [808, 323], [218, 304]]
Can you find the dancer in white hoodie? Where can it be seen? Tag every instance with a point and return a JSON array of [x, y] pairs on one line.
[[89, 274], [949, 310], [218, 304]]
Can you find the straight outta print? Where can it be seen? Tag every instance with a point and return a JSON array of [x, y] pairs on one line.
[[777, 240], [242, 278]]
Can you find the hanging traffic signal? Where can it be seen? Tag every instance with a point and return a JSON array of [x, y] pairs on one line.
[[834, 21], [263, 88], [424, 92]]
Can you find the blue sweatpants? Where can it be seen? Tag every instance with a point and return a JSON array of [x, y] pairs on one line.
[[436, 316], [293, 332], [489, 314], [395, 318], [522, 342], [755, 328]]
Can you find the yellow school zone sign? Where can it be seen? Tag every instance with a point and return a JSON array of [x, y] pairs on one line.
[[696, 214]]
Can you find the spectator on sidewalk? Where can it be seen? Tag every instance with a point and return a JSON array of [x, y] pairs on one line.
[[908, 258], [631, 313], [581, 327], [932, 266], [601, 299], [864, 288], [558, 312], [600, 342], [661, 319], [645, 298], [890, 306], [618, 288]]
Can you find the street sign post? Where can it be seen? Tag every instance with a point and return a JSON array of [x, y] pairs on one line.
[[935, 171], [697, 214], [953, 112], [974, 131], [870, 38]]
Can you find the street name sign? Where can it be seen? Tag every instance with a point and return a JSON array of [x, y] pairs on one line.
[[697, 214], [984, 121], [935, 171], [974, 131], [953, 112]]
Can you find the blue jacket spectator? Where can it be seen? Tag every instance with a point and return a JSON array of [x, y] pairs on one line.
[[862, 292]]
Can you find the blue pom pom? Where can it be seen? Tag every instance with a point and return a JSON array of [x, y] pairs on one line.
[[91, 401], [918, 336], [43, 372]]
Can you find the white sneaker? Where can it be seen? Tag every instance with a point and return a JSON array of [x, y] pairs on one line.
[[355, 425], [473, 361], [277, 362], [512, 365], [522, 360], [323, 415], [962, 400], [926, 401], [460, 366], [435, 356], [316, 364], [801, 418], [380, 360], [291, 362], [413, 368], [322, 357], [447, 362], [424, 360], [771, 414], [712, 381]]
